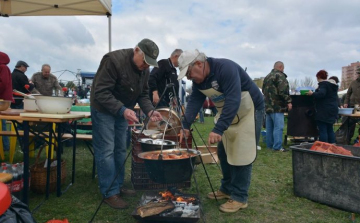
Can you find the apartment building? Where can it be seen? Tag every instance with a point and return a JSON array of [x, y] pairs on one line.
[[349, 74]]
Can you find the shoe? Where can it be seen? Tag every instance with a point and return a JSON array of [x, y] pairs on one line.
[[232, 206], [116, 202], [219, 195], [281, 150], [124, 191], [258, 147]]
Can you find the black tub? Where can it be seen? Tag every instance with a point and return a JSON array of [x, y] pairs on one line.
[[170, 171]]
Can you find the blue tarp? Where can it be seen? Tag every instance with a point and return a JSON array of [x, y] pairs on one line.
[[87, 74]]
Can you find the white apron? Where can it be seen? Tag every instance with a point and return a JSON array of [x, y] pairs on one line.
[[239, 139]]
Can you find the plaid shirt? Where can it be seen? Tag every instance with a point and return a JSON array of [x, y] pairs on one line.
[[45, 86]]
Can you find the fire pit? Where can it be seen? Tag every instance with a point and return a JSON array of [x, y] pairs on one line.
[[186, 207]]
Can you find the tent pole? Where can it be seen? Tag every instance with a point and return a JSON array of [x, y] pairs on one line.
[[109, 19]]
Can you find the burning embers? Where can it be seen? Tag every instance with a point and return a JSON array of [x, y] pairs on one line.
[[166, 206], [167, 195]]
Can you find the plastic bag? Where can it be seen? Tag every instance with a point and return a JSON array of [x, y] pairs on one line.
[[18, 212]]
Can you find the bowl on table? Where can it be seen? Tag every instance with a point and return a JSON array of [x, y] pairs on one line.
[[53, 104], [304, 92], [4, 104], [345, 111]]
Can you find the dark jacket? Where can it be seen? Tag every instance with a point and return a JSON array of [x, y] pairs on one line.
[[5, 78], [229, 78], [326, 102], [353, 93], [276, 92], [118, 84], [160, 77], [19, 80]]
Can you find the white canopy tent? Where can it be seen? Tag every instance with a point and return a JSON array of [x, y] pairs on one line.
[[57, 8]]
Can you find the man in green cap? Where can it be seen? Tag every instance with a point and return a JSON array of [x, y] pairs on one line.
[[120, 82]]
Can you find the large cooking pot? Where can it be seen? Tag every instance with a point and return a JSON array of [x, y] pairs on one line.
[[171, 122], [53, 104], [148, 144], [170, 171], [30, 105]]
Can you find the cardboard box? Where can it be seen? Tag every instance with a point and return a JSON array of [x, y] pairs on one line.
[[206, 156]]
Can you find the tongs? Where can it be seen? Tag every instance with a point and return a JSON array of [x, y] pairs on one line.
[[23, 94]]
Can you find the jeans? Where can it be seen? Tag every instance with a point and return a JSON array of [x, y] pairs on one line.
[[214, 110], [236, 179], [109, 142], [5, 139], [326, 132], [274, 130], [259, 116], [201, 114]]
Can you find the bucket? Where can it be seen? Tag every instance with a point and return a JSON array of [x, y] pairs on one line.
[[208, 111]]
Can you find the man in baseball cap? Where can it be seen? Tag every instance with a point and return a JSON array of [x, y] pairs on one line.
[[185, 60], [120, 82], [150, 50], [21, 63], [21, 83], [236, 133]]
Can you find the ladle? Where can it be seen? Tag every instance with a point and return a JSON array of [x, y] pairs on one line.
[[23, 94], [167, 122]]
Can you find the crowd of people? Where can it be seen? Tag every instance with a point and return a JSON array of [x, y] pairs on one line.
[[123, 80]]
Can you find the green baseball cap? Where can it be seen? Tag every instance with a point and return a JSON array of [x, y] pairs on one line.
[[151, 51]]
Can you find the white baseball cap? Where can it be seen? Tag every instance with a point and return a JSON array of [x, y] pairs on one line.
[[185, 59]]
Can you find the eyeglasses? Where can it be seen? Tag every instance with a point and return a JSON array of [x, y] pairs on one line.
[[188, 73]]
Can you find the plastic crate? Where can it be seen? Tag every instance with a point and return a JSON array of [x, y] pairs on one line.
[[329, 179], [141, 180]]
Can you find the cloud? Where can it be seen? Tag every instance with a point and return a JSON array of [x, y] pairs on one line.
[[306, 36]]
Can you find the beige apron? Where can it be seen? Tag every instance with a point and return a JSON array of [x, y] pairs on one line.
[[239, 139]]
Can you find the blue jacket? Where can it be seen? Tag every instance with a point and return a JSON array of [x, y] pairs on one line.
[[326, 102], [229, 78]]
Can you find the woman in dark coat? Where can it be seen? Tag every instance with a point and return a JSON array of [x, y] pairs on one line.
[[326, 105]]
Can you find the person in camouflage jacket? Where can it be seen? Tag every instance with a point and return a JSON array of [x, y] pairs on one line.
[[277, 101]]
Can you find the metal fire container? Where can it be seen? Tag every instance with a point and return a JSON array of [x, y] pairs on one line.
[[301, 118]]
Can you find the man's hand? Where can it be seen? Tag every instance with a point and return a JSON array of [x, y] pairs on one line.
[[155, 116], [130, 115], [184, 134], [289, 106], [214, 138], [155, 97]]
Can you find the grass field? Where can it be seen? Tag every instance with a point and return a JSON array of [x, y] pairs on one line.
[[271, 197]]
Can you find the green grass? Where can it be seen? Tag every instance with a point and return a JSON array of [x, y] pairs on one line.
[[271, 197]]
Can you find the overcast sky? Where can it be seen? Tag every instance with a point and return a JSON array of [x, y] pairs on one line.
[[306, 35]]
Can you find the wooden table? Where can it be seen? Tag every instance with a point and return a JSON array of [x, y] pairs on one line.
[[20, 117]]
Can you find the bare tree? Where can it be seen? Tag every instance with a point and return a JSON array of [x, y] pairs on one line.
[[308, 82], [293, 84]]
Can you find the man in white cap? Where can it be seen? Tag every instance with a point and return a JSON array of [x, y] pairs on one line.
[[240, 109], [120, 82]]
